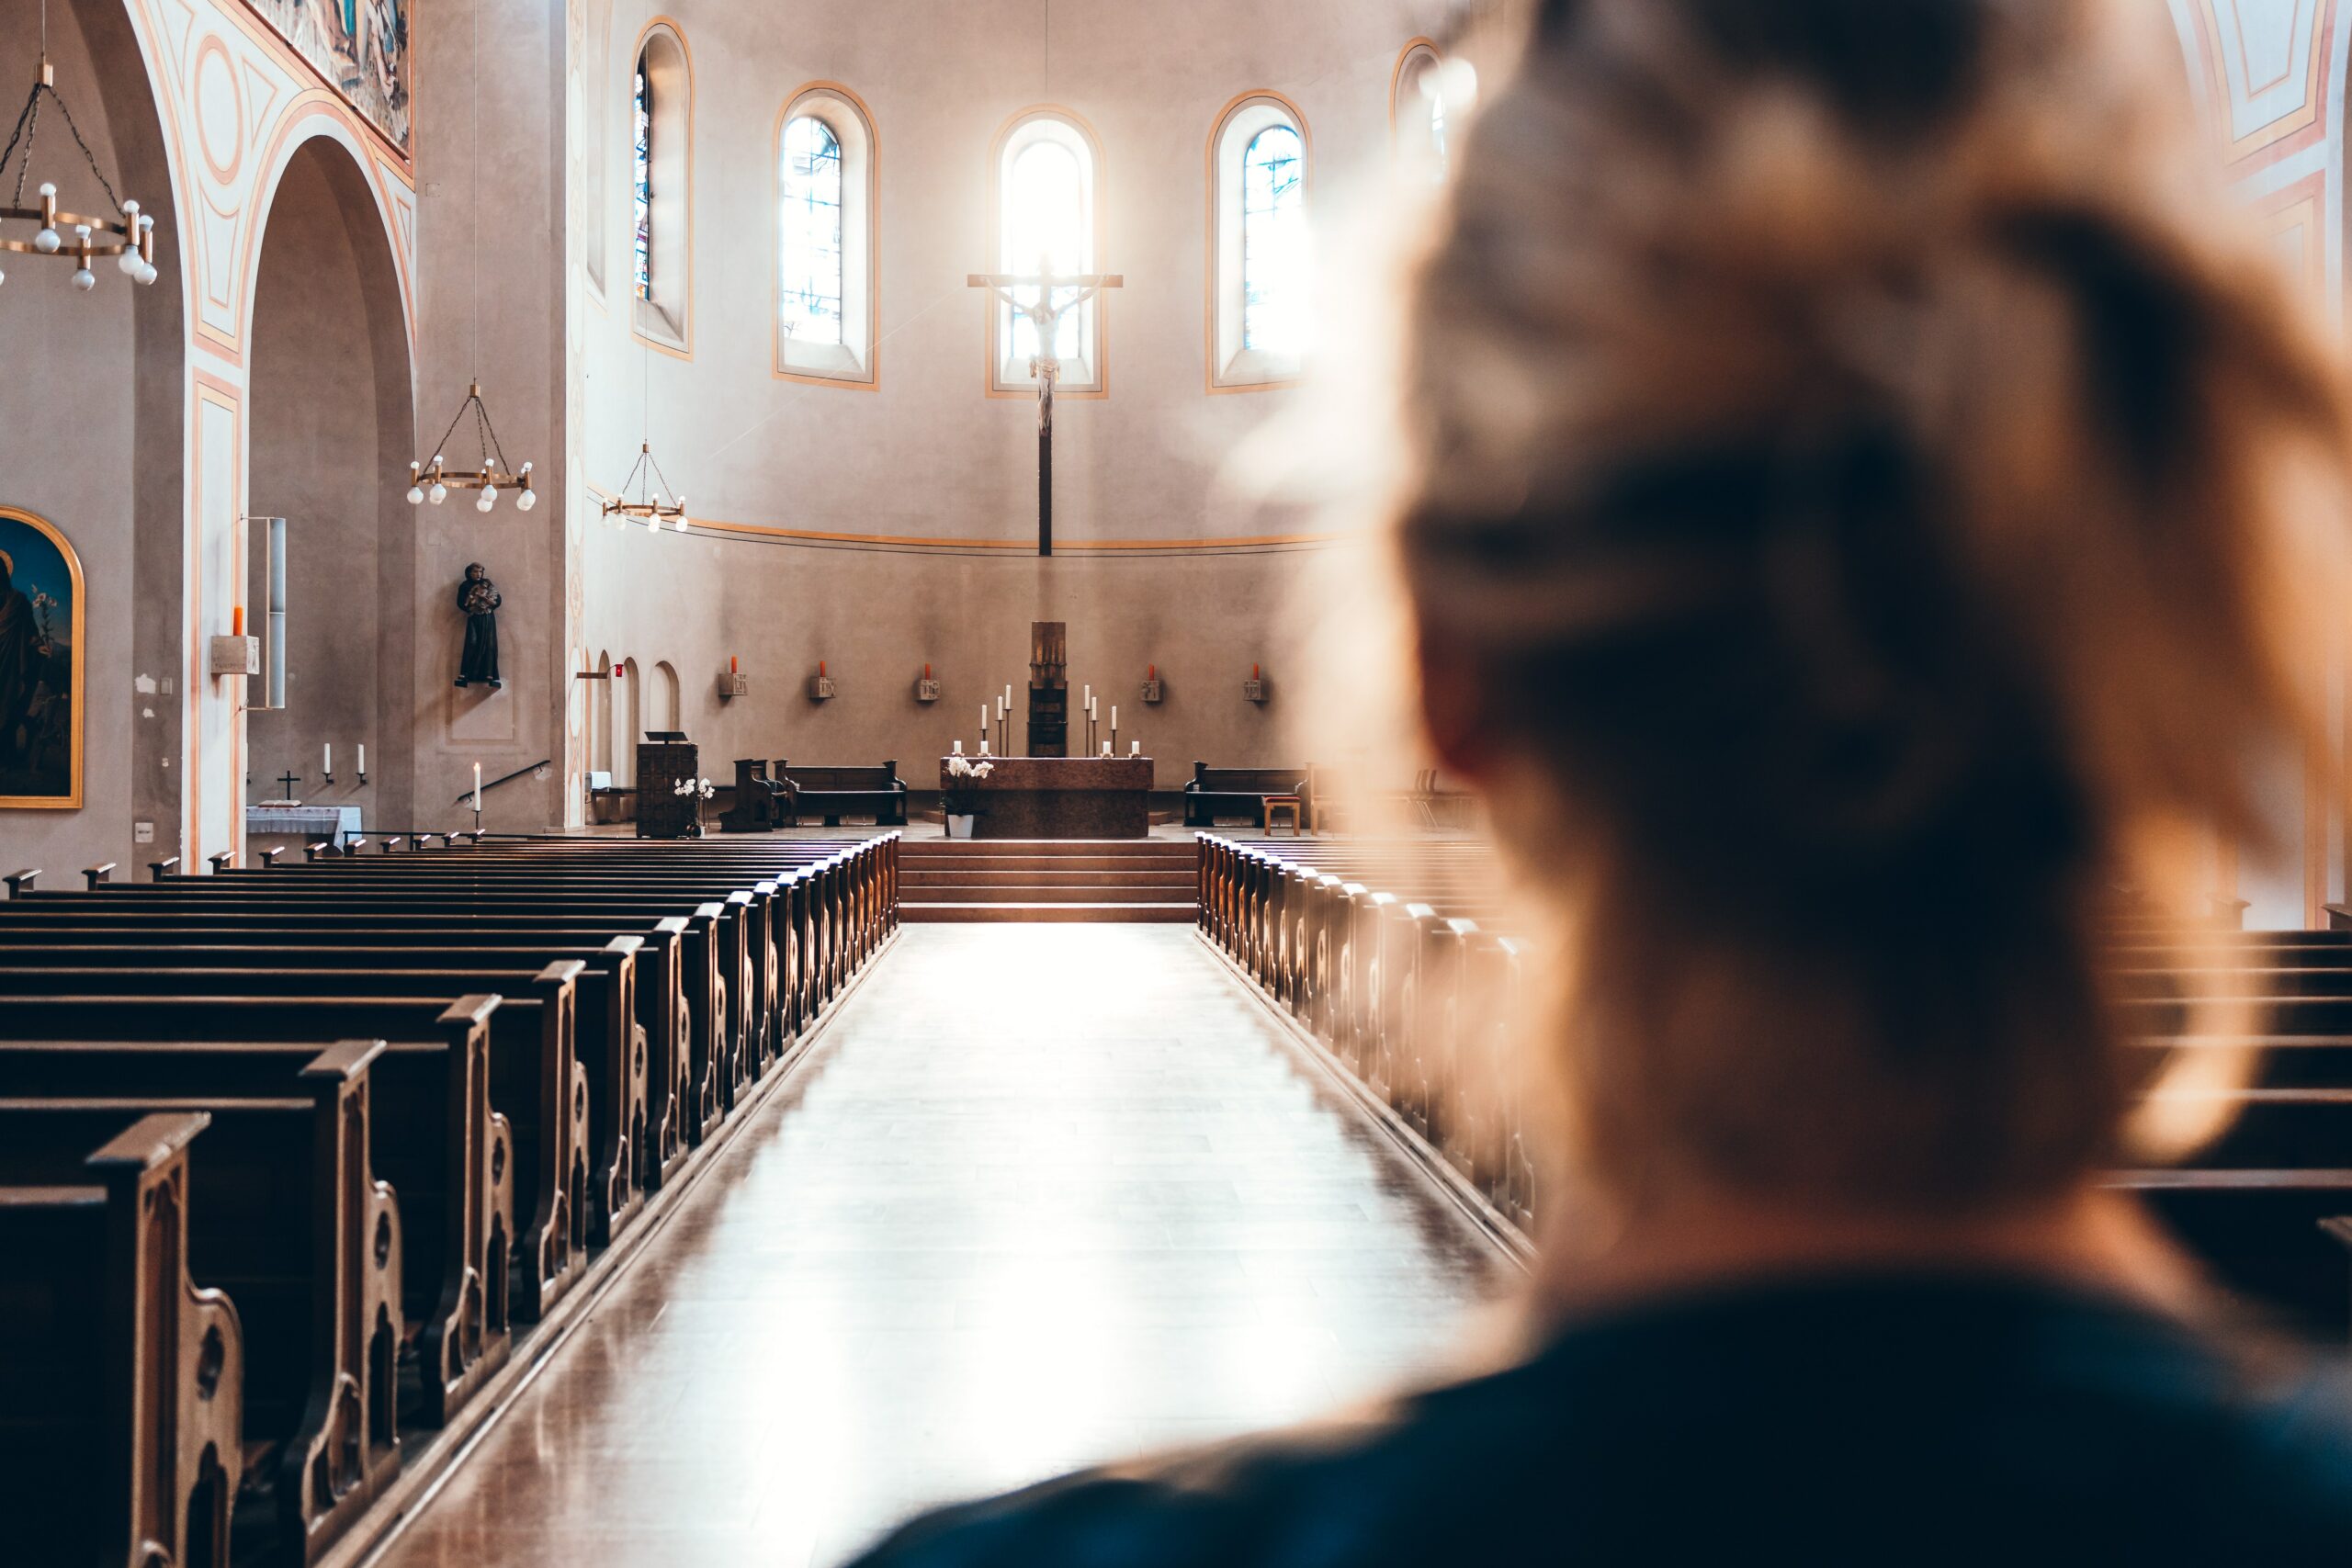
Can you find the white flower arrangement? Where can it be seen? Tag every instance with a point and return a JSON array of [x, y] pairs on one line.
[[962, 767], [702, 787]]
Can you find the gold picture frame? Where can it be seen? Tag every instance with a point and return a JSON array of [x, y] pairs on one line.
[[23, 535]]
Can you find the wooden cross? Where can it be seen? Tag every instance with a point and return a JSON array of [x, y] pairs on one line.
[[1045, 314], [289, 781]]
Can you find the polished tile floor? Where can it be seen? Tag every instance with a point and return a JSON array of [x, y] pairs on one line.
[[1046, 1195]]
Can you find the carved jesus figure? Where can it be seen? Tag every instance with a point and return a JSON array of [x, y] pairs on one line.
[[480, 599]]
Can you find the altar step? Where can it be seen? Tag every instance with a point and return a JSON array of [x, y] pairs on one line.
[[950, 881], [1183, 879]]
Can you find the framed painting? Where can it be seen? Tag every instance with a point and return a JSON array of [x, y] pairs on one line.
[[43, 666], [360, 47]]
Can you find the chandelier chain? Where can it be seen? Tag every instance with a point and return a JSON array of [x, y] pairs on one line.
[[27, 131], [442, 444], [29, 112], [92, 158], [490, 435]]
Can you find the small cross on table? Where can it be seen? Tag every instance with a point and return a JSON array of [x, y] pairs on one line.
[[289, 781], [1045, 313]]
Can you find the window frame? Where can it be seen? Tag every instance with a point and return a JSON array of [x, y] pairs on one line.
[[1087, 377], [1410, 134], [855, 362], [1230, 367], [665, 322]]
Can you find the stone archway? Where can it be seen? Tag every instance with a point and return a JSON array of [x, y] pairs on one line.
[[331, 432]]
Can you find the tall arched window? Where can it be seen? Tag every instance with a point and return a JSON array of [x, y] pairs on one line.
[[1260, 307], [812, 232], [1273, 241], [1427, 97], [661, 172], [1047, 217], [642, 180], [825, 255]]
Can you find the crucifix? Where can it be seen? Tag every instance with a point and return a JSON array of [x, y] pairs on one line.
[[289, 781], [1045, 314]]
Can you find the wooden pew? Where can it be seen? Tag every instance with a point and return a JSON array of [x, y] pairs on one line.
[[1212, 793], [675, 973], [285, 1214], [835, 792], [609, 1043], [533, 1080], [120, 1382], [446, 1155]]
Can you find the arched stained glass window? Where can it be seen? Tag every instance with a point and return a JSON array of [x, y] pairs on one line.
[[642, 181], [1273, 241], [1048, 223], [813, 236]]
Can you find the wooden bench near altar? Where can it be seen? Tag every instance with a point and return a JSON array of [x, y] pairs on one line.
[[1061, 797]]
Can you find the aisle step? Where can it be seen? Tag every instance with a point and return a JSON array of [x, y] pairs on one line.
[[1095, 914], [911, 897], [955, 876], [964, 880]]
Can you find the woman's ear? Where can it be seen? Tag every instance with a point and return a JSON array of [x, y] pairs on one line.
[[1455, 713]]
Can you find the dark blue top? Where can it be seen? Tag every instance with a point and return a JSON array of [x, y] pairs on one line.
[[1898, 1420]]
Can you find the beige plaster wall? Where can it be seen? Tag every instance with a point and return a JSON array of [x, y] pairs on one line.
[[876, 618], [91, 437], [927, 454], [490, 100], [330, 440]]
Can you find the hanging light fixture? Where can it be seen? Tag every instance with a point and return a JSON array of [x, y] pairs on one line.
[[432, 481], [654, 504], [133, 239]]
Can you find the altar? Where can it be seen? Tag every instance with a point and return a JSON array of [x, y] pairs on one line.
[[1060, 798]]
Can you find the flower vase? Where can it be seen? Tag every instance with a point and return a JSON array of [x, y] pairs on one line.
[[959, 825]]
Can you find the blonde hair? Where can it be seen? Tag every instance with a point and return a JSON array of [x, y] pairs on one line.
[[1872, 494]]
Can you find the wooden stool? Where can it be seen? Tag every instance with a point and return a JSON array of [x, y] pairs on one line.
[[1288, 803]]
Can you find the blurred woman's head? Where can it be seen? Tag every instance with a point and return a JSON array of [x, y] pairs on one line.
[[1863, 495]]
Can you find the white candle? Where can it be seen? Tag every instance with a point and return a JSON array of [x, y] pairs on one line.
[[984, 719], [1134, 747], [326, 759], [1106, 747], [1008, 695], [363, 756], [1114, 716], [959, 748], [477, 787], [1090, 699]]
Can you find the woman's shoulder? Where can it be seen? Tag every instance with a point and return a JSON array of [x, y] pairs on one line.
[[1720, 1426]]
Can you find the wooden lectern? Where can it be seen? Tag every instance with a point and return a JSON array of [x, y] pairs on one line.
[[663, 758]]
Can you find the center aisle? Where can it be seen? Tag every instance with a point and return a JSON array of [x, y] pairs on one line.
[[1043, 1196]]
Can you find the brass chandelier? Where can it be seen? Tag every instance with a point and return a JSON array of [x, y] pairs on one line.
[[655, 504], [132, 239], [432, 481]]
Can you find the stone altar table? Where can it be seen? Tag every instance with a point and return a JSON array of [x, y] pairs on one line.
[[1061, 797]]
